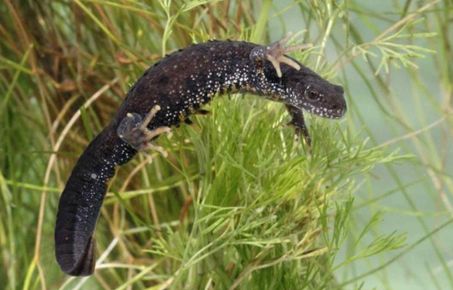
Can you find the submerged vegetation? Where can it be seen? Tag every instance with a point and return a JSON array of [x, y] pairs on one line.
[[239, 203]]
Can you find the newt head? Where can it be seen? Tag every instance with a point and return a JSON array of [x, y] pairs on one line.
[[308, 91]]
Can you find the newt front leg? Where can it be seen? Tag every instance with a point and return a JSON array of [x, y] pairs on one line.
[[298, 122]]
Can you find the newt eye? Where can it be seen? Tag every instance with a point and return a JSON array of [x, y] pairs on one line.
[[311, 95]]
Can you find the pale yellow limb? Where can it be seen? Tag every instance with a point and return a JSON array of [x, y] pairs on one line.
[[275, 53], [150, 116], [140, 137], [289, 62], [276, 64]]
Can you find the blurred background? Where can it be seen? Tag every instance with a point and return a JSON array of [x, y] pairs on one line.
[[393, 58]]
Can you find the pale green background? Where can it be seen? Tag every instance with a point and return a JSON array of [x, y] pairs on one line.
[[411, 271]]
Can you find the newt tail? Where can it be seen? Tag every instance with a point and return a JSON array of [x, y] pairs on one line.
[[81, 201]]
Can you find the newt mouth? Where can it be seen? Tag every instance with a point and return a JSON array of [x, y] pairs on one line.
[[326, 112]]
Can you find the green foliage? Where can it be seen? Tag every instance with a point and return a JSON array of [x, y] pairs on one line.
[[238, 203]]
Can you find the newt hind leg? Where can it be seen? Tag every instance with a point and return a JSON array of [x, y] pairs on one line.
[[275, 53], [133, 130]]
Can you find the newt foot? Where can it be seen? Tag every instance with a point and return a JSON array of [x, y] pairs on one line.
[[275, 53], [133, 130]]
